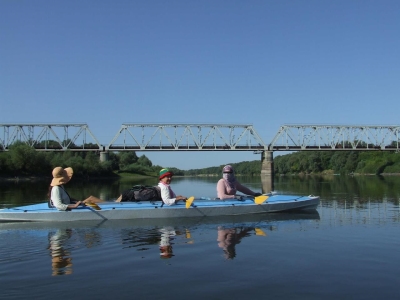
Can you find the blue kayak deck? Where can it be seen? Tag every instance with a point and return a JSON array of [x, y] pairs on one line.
[[155, 209], [43, 207]]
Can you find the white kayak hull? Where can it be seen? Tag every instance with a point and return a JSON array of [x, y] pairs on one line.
[[154, 210]]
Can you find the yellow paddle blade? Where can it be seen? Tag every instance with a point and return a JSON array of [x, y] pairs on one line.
[[260, 232], [189, 202], [188, 235], [93, 205], [260, 199]]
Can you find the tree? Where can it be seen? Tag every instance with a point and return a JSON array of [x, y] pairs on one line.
[[144, 161], [22, 157], [351, 162], [5, 163], [127, 158]]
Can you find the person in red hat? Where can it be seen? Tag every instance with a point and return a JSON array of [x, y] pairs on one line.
[[167, 195]]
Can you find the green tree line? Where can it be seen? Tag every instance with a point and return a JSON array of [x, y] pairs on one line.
[[241, 168], [317, 162], [23, 160], [338, 162]]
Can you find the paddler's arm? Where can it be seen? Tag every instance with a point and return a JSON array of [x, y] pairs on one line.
[[245, 190], [70, 206]]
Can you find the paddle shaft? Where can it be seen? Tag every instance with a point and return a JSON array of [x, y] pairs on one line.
[[97, 213]]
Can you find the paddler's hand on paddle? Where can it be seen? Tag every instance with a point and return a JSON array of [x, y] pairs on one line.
[[75, 205], [180, 198], [78, 203]]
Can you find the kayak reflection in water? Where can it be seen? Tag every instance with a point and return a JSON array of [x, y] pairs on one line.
[[229, 237], [167, 236], [61, 260]]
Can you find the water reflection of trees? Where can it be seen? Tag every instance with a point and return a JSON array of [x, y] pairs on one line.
[[342, 188], [139, 238]]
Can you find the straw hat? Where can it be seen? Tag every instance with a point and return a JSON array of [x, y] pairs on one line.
[[61, 176]]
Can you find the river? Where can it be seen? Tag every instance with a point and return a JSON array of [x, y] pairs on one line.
[[346, 249]]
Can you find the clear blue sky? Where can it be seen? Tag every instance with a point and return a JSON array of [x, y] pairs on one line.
[[259, 62]]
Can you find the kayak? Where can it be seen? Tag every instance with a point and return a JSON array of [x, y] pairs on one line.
[[155, 210]]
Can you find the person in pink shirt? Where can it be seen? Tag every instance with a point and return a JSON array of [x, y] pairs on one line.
[[227, 186]]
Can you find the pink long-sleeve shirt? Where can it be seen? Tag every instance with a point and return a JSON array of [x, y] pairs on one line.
[[225, 192]]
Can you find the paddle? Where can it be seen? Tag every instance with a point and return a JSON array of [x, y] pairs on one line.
[[259, 231], [189, 202], [92, 205], [260, 199]]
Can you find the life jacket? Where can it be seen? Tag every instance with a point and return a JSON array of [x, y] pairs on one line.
[[50, 203]]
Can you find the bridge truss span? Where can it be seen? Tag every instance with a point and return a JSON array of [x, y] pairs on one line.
[[202, 137], [336, 137], [186, 137], [50, 137]]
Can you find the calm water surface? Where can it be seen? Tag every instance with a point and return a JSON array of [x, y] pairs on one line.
[[346, 249]]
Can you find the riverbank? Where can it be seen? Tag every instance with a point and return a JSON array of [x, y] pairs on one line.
[[24, 179]]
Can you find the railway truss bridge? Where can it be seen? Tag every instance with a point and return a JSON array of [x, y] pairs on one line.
[[202, 137]]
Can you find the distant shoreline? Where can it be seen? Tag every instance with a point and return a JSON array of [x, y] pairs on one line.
[[48, 178], [126, 176], [24, 178]]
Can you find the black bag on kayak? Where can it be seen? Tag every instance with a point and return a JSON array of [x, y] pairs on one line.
[[141, 193]]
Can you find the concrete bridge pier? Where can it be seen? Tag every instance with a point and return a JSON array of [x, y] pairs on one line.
[[104, 156], [267, 171]]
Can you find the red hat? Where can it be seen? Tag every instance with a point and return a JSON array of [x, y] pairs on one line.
[[165, 172]]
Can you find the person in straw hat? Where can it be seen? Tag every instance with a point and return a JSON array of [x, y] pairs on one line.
[[59, 197]]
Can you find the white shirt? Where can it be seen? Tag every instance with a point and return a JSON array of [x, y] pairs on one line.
[[167, 195], [59, 197]]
